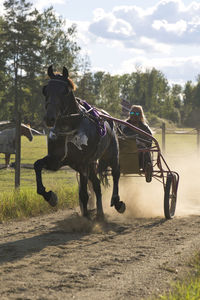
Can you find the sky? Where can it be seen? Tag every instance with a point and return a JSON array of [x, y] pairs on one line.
[[121, 36]]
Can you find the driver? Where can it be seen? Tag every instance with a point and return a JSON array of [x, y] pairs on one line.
[[138, 119]]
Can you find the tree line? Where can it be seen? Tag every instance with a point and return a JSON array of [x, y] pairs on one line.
[[30, 41], [150, 88]]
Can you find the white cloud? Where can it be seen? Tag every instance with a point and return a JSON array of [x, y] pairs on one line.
[[185, 68], [152, 45], [172, 9], [1, 9], [82, 35], [99, 14], [178, 27], [168, 22], [126, 36], [158, 36], [41, 4], [108, 26]]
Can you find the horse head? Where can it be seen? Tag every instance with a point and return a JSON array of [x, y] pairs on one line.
[[58, 96], [26, 131]]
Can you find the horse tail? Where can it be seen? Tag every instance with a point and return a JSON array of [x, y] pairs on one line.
[[104, 162], [103, 173]]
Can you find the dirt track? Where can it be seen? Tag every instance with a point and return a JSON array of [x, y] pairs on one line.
[[131, 256], [63, 256]]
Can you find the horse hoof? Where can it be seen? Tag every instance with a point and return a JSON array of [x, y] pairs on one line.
[[53, 199], [87, 216], [100, 217], [120, 207], [114, 200]]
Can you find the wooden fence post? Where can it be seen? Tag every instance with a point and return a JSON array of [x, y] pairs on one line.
[[17, 129], [18, 150], [163, 137], [198, 139]]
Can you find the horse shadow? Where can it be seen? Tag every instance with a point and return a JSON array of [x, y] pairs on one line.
[[73, 228]]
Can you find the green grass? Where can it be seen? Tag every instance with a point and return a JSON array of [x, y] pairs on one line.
[[188, 288], [178, 144], [63, 180], [30, 152], [25, 202]]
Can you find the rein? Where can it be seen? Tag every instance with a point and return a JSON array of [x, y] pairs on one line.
[[83, 112]]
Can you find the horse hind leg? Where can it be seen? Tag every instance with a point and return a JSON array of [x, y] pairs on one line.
[[83, 195], [115, 200], [7, 159]]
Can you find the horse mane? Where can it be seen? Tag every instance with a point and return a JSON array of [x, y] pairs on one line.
[[72, 84]]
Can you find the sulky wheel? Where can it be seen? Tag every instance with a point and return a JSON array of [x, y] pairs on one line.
[[170, 196]]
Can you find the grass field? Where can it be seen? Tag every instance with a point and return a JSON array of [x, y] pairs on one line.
[[177, 145], [25, 202], [64, 180], [30, 152]]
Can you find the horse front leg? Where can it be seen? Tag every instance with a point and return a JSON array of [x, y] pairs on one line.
[[115, 200], [97, 189], [83, 195], [40, 164]]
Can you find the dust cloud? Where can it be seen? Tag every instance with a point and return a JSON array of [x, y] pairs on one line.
[[78, 224], [142, 199], [147, 199], [188, 200]]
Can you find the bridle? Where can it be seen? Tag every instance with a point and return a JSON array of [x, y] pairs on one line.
[[82, 111], [63, 113]]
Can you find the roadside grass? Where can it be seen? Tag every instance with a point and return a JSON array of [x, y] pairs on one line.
[[189, 287], [25, 202]]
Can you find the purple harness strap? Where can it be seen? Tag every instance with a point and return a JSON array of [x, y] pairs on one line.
[[101, 128]]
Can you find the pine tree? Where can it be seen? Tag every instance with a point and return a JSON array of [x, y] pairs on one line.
[[59, 45], [21, 48], [29, 42]]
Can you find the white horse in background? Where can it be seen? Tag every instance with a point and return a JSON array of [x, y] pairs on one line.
[[7, 141]]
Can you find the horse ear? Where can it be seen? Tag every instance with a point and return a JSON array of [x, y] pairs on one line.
[[65, 73], [50, 72]]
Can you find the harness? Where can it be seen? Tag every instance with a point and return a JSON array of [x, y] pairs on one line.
[[92, 113]]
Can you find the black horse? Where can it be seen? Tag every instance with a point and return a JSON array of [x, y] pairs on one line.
[[77, 139]]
